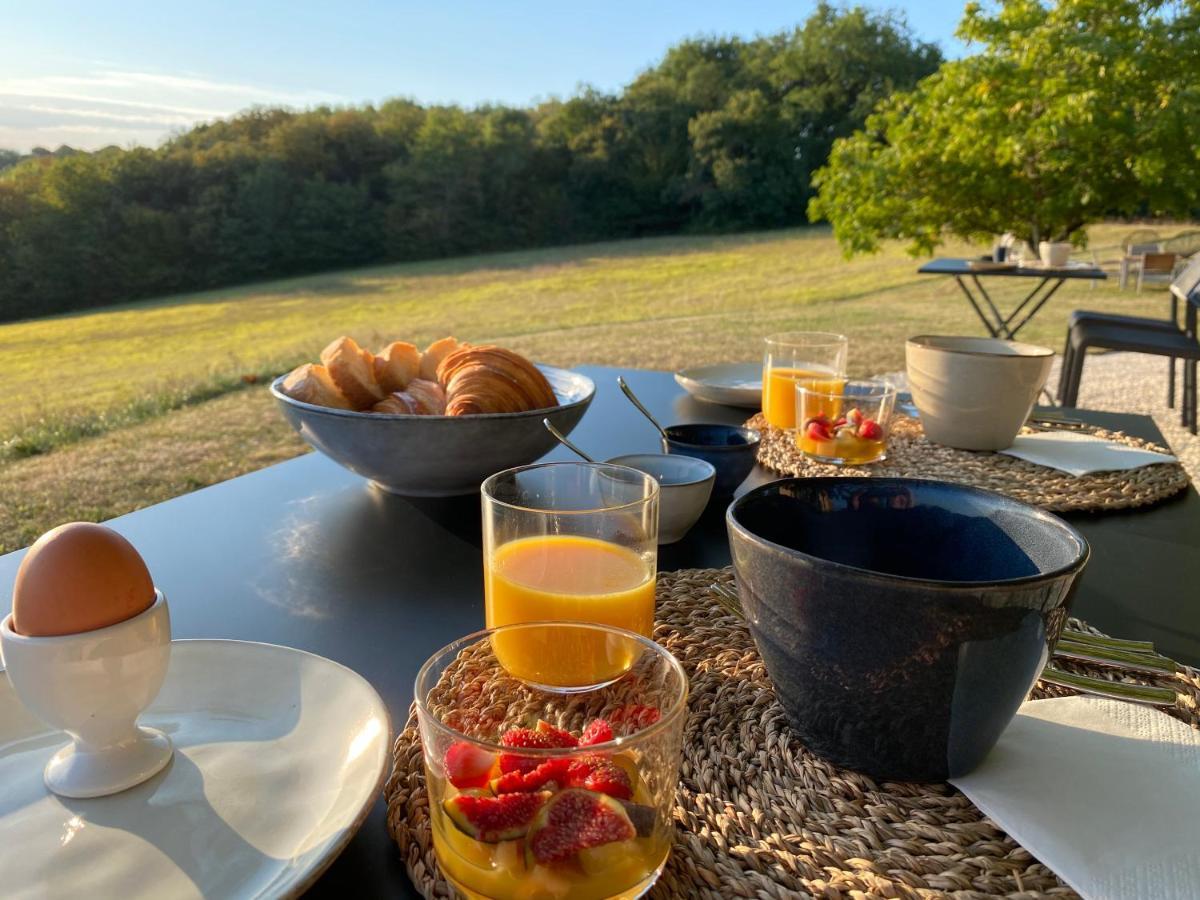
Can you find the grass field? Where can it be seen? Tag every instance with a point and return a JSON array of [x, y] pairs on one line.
[[107, 411]]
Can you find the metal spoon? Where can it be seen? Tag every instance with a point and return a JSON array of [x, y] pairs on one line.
[[562, 439], [628, 392]]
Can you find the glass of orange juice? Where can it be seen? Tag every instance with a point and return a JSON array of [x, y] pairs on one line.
[[569, 542], [815, 359], [537, 794]]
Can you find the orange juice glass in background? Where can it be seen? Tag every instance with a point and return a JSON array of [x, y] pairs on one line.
[[573, 542], [816, 359], [847, 426]]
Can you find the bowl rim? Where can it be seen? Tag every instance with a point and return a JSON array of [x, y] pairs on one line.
[[627, 460], [923, 342], [588, 384], [753, 435], [1080, 560]]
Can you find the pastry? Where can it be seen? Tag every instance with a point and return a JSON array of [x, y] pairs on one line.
[[353, 371], [492, 380], [434, 354], [422, 398], [396, 365], [310, 383]]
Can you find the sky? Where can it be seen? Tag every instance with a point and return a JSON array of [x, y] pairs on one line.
[[90, 74]]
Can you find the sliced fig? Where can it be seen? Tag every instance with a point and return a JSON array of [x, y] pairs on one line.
[[574, 820], [641, 816], [548, 775], [600, 774], [494, 819]]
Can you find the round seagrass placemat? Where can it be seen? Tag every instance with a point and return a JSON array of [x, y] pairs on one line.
[[912, 455], [758, 816]]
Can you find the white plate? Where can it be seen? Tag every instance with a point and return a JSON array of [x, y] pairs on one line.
[[279, 756], [731, 384]]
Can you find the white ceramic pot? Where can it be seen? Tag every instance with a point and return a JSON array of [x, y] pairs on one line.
[[93, 685], [685, 485], [974, 393], [1055, 254]]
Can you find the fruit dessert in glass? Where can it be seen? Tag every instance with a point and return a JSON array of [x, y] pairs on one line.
[[551, 794], [573, 542], [795, 359], [848, 426]]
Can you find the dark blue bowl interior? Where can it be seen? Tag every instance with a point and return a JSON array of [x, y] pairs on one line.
[[712, 436], [923, 530]]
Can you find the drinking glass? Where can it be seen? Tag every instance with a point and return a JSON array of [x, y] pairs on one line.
[[573, 542], [546, 794], [813, 358], [847, 426]]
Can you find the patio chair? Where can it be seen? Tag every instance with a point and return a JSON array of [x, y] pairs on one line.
[[1162, 337], [1159, 268], [1132, 260]]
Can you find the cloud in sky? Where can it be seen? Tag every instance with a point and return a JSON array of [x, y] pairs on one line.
[[114, 106]]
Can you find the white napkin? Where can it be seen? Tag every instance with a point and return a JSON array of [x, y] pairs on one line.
[[1079, 454], [1105, 793]]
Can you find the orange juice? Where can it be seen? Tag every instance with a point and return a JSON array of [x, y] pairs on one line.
[[572, 579], [779, 392]]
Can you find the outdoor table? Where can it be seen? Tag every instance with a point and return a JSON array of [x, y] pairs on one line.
[[306, 554], [997, 324]]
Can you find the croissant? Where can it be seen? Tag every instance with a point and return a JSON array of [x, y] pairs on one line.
[[353, 370], [311, 383], [434, 354], [492, 380], [422, 398], [396, 365]]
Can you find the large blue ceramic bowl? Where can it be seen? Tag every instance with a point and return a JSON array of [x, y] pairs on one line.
[[731, 449], [901, 621]]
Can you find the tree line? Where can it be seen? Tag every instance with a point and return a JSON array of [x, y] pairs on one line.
[[724, 133]]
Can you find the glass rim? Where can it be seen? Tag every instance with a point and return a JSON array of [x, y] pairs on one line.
[[666, 717], [646, 479], [883, 389], [806, 338]]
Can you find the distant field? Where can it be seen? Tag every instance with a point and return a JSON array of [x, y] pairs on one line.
[[656, 303]]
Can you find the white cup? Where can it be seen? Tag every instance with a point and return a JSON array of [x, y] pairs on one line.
[[1054, 254], [93, 685]]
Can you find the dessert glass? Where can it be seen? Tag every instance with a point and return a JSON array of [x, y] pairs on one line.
[[848, 426], [518, 809]]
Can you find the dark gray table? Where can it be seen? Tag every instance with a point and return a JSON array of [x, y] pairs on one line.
[[998, 325], [306, 554]]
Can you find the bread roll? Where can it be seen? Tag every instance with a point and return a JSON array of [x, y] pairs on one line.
[[433, 356], [396, 365], [353, 371], [310, 383]]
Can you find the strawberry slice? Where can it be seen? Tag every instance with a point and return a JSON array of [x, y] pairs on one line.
[[818, 431], [870, 430], [556, 736], [552, 770], [598, 731], [468, 766], [528, 738]]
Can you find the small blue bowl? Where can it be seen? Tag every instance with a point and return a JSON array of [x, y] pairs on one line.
[[731, 449], [902, 622]]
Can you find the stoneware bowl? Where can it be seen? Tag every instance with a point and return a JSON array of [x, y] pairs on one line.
[[901, 621], [437, 456], [93, 685], [974, 393], [1054, 254], [685, 485], [731, 449]]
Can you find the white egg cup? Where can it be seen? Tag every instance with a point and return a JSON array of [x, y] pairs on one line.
[[93, 685]]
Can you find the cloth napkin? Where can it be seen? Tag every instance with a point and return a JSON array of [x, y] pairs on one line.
[[1079, 454], [1105, 793]]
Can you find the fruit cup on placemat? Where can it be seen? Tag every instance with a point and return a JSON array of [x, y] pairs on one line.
[[813, 359], [847, 425], [564, 793]]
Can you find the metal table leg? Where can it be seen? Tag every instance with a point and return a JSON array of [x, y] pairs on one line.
[[975, 306]]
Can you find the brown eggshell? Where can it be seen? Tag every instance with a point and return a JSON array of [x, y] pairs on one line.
[[79, 577]]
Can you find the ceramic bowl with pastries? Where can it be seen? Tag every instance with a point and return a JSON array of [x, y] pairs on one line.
[[430, 423]]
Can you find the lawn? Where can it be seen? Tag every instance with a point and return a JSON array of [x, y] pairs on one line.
[[111, 410]]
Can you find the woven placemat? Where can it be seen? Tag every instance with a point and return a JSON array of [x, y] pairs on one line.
[[758, 816], [912, 455]]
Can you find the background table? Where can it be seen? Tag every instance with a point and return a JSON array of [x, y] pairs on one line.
[[998, 325], [305, 554]]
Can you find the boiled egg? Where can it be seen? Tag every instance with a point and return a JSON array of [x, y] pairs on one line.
[[79, 577]]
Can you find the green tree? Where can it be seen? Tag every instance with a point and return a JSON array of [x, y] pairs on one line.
[[1069, 112]]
